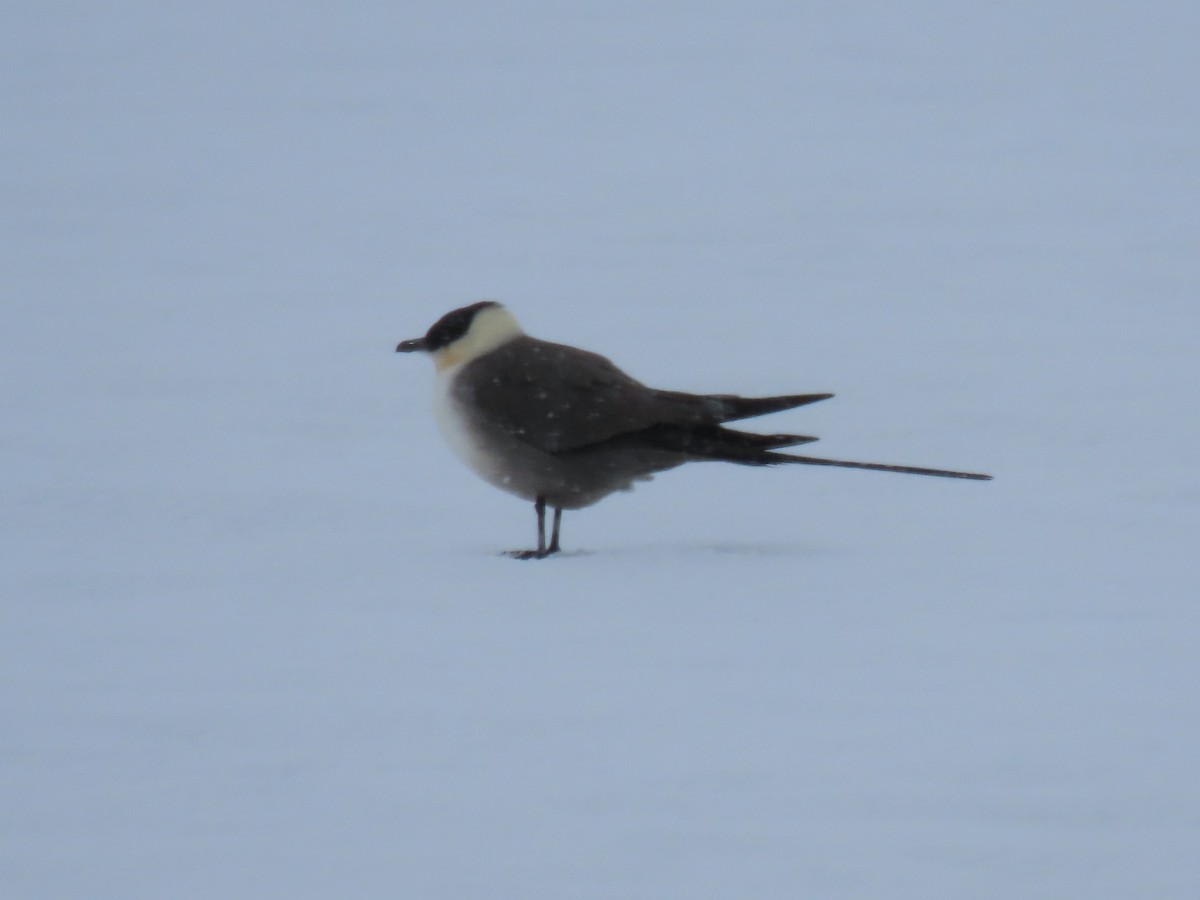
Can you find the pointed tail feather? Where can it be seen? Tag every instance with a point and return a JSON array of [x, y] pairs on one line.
[[877, 467], [769, 441], [730, 408], [718, 443]]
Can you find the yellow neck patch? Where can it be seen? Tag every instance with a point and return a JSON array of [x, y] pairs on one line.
[[489, 329], [446, 357]]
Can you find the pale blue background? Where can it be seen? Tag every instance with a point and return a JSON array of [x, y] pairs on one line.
[[257, 639]]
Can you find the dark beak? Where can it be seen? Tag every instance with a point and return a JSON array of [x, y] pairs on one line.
[[411, 346]]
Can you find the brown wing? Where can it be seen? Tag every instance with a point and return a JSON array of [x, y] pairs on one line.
[[558, 398]]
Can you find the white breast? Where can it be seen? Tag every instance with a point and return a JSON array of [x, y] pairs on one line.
[[457, 431]]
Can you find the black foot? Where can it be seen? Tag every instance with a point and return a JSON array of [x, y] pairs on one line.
[[529, 554]]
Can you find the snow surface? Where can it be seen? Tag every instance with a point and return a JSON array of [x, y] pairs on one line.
[[258, 640]]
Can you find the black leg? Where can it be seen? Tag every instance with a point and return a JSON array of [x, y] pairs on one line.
[[539, 506]]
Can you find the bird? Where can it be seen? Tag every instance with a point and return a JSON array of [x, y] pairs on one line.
[[564, 427]]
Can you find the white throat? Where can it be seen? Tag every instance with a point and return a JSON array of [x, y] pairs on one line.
[[490, 328]]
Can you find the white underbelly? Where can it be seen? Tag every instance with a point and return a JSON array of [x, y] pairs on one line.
[[463, 439], [520, 469]]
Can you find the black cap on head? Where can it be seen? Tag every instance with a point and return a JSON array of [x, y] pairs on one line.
[[446, 330], [453, 325]]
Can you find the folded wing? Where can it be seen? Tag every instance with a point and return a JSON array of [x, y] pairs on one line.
[[561, 399]]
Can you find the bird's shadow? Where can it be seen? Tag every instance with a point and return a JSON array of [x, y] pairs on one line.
[[695, 550], [743, 549]]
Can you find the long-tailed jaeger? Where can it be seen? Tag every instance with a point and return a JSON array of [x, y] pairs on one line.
[[564, 427]]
